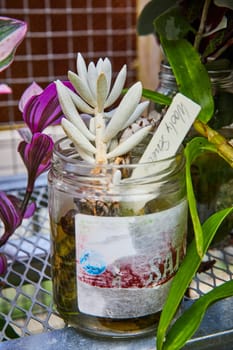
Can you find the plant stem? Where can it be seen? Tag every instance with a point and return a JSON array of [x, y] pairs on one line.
[[224, 148], [101, 147], [222, 49], [26, 199], [201, 28]]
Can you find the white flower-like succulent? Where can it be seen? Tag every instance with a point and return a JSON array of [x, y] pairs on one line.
[[99, 142]]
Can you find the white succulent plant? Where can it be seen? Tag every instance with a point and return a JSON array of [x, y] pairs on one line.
[[100, 141]]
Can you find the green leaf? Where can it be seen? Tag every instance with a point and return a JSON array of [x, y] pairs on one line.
[[177, 339], [12, 32], [9, 331], [198, 247], [182, 279], [156, 97], [193, 149], [151, 10], [173, 25], [191, 75]]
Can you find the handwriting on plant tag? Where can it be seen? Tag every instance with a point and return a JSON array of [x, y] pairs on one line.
[[172, 130]]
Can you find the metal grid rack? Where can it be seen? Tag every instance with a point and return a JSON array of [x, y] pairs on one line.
[[57, 30], [26, 291]]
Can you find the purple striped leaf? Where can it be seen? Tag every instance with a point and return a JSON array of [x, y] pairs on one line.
[[36, 156], [42, 110]]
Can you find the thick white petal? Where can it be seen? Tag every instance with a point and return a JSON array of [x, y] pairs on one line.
[[102, 91], [82, 88], [70, 111], [113, 144], [130, 143], [88, 157], [125, 109], [137, 113], [117, 87], [107, 68], [81, 67], [92, 76], [77, 137], [92, 126], [80, 104], [99, 65]]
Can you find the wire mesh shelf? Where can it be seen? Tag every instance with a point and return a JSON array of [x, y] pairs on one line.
[[26, 301], [26, 291]]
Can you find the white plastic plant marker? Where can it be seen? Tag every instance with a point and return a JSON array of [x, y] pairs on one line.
[[166, 141], [171, 132]]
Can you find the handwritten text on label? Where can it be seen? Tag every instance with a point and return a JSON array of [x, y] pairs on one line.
[[172, 129]]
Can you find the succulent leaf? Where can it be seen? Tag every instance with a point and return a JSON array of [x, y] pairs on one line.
[[77, 137], [117, 87], [92, 77], [136, 114], [99, 138], [82, 88], [125, 109], [79, 103], [70, 111], [81, 67], [107, 68], [130, 143], [87, 156], [102, 91]]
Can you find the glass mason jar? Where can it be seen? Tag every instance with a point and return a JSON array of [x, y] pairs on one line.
[[212, 175], [115, 245]]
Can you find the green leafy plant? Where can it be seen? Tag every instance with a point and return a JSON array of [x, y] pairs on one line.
[[188, 323], [183, 49], [207, 25]]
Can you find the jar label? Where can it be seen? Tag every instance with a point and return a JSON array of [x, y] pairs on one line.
[[125, 264]]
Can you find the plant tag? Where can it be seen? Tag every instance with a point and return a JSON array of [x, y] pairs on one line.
[[170, 134], [172, 130]]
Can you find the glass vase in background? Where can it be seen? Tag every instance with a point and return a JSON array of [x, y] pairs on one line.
[[212, 175]]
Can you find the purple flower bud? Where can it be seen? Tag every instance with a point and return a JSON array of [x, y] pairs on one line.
[[36, 156]]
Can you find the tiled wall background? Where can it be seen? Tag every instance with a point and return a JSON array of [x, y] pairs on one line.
[[57, 30]]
